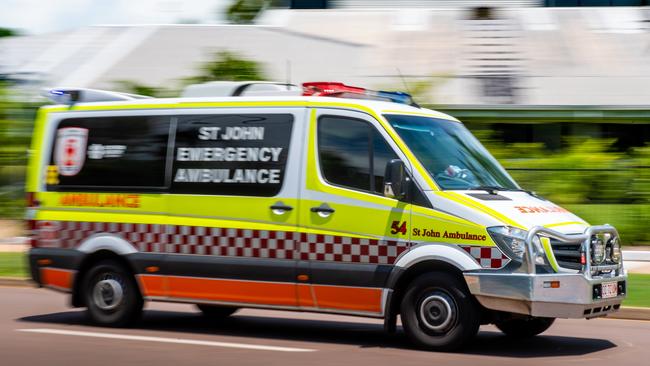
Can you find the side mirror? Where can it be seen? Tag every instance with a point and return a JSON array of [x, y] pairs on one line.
[[395, 180]]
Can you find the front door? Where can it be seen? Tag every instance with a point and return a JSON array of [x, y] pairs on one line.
[[352, 234]]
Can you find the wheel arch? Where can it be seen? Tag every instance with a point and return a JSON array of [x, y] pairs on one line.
[[421, 259], [98, 248]]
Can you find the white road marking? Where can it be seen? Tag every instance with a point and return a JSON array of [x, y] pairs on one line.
[[165, 340]]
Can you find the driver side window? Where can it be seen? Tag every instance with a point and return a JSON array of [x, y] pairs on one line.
[[352, 153]]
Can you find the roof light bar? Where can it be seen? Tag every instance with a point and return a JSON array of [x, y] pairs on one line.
[[336, 89], [72, 96]]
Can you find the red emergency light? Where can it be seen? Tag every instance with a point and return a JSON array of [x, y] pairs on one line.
[[325, 88], [336, 89]]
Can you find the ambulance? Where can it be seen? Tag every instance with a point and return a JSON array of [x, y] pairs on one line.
[[323, 198]]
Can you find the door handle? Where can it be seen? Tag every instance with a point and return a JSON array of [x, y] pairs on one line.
[[279, 208], [323, 210]]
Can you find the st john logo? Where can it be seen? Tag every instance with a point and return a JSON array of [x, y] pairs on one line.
[[70, 152]]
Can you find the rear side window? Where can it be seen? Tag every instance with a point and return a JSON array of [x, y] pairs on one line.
[[109, 154], [238, 154], [352, 153]]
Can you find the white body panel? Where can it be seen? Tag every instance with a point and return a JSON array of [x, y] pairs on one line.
[[447, 253], [107, 242]]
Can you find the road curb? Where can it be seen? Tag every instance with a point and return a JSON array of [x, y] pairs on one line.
[[636, 255], [631, 313], [16, 282]]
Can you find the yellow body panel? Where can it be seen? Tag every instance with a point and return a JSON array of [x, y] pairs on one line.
[[254, 212]]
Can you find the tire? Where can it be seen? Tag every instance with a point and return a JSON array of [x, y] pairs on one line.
[[216, 311], [111, 295], [438, 313], [524, 327]]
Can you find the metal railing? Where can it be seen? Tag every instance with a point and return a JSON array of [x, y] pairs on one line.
[[583, 239]]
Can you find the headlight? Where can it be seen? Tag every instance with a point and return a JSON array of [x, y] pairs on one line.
[[512, 241], [615, 249], [597, 249]]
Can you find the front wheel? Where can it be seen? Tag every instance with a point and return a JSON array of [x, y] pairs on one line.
[[439, 313], [524, 327], [111, 295]]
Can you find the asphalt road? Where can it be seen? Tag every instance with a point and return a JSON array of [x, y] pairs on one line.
[[37, 328]]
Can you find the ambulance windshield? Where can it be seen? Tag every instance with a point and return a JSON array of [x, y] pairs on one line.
[[451, 154]]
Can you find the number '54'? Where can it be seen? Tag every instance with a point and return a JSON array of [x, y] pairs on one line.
[[398, 227]]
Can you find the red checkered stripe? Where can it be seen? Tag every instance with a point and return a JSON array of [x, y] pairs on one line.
[[347, 249], [487, 257], [199, 240], [177, 239]]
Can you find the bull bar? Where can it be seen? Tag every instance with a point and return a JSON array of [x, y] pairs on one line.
[[524, 290]]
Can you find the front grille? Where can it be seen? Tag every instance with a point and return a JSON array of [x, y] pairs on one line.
[[567, 255]]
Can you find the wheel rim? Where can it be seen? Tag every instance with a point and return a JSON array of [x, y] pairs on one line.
[[108, 293], [438, 312]]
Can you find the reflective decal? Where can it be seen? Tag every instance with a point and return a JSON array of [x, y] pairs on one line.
[[398, 227], [70, 151], [52, 177], [445, 234], [540, 209], [100, 200], [101, 151]]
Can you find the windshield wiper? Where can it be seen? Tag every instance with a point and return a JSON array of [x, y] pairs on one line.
[[495, 190], [489, 189]]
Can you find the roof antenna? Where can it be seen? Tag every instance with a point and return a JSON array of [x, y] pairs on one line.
[[413, 103], [288, 76]]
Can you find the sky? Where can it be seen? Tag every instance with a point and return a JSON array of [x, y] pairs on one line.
[[46, 16]]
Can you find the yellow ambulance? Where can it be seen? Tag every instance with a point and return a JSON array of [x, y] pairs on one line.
[[326, 198]]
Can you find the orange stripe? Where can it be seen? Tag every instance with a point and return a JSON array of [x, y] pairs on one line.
[[57, 277], [305, 298], [233, 291], [348, 298], [264, 293], [153, 285]]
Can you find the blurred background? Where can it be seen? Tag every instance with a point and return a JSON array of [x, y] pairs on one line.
[[558, 91]]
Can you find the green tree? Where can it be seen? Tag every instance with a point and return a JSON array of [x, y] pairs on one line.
[[15, 130], [245, 11], [228, 66], [135, 87], [6, 32]]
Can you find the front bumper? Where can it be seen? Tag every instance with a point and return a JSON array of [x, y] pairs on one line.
[[565, 294], [530, 294]]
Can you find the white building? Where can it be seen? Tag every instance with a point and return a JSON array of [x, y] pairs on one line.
[[521, 55]]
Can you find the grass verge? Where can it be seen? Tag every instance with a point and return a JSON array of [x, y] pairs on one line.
[[629, 220], [638, 290], [13, 265]]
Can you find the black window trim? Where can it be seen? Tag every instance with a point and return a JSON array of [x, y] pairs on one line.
[[255, 111], [169, 157], [370, 155], [414, 187], [112, 189]]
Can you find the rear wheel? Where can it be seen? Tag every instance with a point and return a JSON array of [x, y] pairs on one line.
[[216, 311], [524, 327], [439, 313], [111, 295]]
